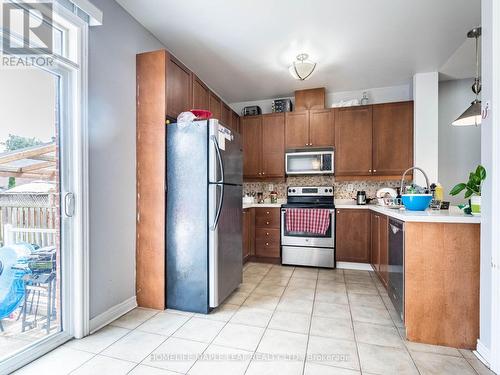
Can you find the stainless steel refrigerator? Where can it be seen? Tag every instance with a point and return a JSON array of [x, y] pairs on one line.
[[203, 215]]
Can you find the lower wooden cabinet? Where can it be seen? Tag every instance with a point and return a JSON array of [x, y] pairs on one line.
[[353, 229], [380, 246], [261, 233]]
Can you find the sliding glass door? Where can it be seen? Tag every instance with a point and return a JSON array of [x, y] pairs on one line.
[[42, 169], [30, 208]]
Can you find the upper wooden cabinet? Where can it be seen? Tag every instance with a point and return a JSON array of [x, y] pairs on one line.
[[314, 128], [297, 129], [200, 94], [375, 140], [251, 129], [321, 128], [263, 146], [215, 106], [352, 235], [310, 99], [392, 138], [225, 117], [353, 141], [273, 145], [179, 97], [235, 121]]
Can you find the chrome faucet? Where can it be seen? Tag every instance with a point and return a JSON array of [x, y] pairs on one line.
[[403, 179]]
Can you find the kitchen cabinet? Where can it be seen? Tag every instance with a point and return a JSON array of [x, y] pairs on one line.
[[310, 99], [263, 146], [380, 246], [201, 94], [215, 105], [225, 117], [375, 140], [248, 234], [267, 232], [353, 141], [297, 129], [178, 88], [251, 135], [273, 146], [392, 138], [235, 122], [353, 235], [312, 128], [321, 128]]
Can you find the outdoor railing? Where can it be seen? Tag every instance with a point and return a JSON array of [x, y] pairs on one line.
[[32, 218]]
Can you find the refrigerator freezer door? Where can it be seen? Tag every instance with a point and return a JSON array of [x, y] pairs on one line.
[[225, 155], [225, 246]]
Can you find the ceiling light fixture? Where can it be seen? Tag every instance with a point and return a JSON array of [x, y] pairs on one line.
[[472, 115], [302, 68]]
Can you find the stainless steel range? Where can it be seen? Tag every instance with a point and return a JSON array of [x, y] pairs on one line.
[[305, 248]]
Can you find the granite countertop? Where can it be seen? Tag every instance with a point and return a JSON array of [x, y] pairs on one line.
[[453, 215]]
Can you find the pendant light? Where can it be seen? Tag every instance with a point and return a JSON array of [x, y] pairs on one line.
[[302, 68], [472, 115]]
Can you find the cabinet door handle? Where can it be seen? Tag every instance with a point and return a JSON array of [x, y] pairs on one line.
[[260, 173], [267, 212], [267, 243], [369, 170], [263, 173], [267, 234], [310, 144], [338, 212], [374, 171], [267, 222]]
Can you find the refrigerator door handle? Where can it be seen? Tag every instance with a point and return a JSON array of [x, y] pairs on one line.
[[213, 138], [219, 208]]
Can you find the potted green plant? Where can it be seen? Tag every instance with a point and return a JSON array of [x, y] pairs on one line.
[[472, 189]]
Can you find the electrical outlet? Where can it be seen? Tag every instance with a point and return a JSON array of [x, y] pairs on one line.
[[350, 187], [270, 187]]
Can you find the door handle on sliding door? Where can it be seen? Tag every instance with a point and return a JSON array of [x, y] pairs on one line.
[[69, 204]]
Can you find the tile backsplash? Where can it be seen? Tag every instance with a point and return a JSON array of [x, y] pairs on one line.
[[343, 190]]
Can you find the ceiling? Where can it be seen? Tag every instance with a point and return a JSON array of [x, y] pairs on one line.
[[242, 49]]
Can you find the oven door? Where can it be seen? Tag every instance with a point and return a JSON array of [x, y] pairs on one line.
[[308, 239]]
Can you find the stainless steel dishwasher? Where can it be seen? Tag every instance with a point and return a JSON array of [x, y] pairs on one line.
[[396, 287]]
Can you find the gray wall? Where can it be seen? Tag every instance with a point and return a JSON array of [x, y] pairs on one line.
[[459, 147], [113, 47]]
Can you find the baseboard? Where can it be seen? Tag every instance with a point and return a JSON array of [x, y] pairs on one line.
[[355, 266], [482, 353], [112, 314]]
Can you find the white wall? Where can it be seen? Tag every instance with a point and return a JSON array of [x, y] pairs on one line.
[[425, 122], [375, 95], [113, 47], [459, 146]]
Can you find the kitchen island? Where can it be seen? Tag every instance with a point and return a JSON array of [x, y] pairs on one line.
[[441, 272]]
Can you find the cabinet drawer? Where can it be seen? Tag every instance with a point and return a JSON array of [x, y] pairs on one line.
[[267, 218], [267, 242]]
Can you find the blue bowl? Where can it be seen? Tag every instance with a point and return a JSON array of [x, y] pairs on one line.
[[416, 202]]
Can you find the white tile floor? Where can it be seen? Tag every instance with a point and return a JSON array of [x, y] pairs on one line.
[[282, 320]]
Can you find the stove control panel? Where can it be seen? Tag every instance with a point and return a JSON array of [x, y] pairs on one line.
[[299, 191]]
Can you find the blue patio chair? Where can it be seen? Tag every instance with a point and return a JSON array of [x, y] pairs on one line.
[[13, 266]]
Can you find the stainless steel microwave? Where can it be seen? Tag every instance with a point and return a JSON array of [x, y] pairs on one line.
[[304, 162]]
